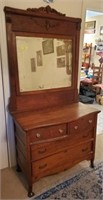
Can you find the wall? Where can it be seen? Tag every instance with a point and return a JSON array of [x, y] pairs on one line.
[[70, 8], [6, 130], [64, 6], [3, 138]]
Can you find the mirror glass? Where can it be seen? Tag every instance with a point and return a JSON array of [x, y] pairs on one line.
[[44, 63]]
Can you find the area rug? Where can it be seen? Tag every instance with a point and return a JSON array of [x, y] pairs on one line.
[[87, 184]]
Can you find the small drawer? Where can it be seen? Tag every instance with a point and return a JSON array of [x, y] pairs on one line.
[[84, 123], [47, 133]]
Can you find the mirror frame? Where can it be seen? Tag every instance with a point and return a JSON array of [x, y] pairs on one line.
[[45, 22]]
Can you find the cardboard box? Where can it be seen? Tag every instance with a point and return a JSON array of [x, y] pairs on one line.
[[99, 99]]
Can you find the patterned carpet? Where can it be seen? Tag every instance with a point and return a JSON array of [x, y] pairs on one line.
[[87, 184]]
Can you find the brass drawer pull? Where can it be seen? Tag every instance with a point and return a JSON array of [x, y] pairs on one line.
[[83, 150], [75, 127], [42, 151], [38, 135], [90, 121], [60, 130], [42, 166]]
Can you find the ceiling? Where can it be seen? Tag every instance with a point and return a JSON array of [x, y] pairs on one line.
[[90, 13]]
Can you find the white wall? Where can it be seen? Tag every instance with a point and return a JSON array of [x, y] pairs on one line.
[[68, 7], [7, 128], [73, 8], [3, 137]]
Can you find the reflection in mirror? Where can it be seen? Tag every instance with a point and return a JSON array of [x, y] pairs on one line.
[[44, 63]]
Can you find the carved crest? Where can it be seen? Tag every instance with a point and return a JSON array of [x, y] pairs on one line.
[[45, 10], [47, 24]]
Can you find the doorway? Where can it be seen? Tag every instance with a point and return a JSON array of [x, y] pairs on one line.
[[93, 38], [92, 53]]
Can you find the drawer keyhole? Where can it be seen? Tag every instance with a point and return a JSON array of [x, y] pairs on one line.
[[42, 166], [83, 150], [86, 135]]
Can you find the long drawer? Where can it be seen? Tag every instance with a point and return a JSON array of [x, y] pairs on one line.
[[45, 149], [60, 161]]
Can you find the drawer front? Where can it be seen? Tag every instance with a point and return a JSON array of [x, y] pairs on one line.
[[47, 133], [61, 161], [84, 123], [42, 150]]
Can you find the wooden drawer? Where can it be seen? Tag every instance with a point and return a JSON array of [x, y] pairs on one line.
[[42, 150], [47, 133], [62, 160], [82, 124]]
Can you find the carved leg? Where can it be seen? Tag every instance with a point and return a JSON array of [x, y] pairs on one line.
[[18, 169], [30, 193], [92, 163]]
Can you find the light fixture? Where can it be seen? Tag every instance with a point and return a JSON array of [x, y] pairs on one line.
[[48, 1]]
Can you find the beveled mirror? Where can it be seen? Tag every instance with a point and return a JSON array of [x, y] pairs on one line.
[[44, 63]]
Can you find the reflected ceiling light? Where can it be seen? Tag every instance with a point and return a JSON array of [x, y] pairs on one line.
[[48, 1]]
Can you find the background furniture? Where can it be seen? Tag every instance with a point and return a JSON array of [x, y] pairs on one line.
[[98, 87], [52, 130], [96, 77], [86, 55]]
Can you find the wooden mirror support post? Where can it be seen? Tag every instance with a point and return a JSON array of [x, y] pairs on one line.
[[53, 131]]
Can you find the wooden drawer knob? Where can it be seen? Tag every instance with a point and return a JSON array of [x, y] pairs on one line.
[[85, 149], [60, 130], [42, 151], [90, 121], [75, 127], [38, 135]]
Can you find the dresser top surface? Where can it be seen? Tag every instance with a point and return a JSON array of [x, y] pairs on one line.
[[37, 119]]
